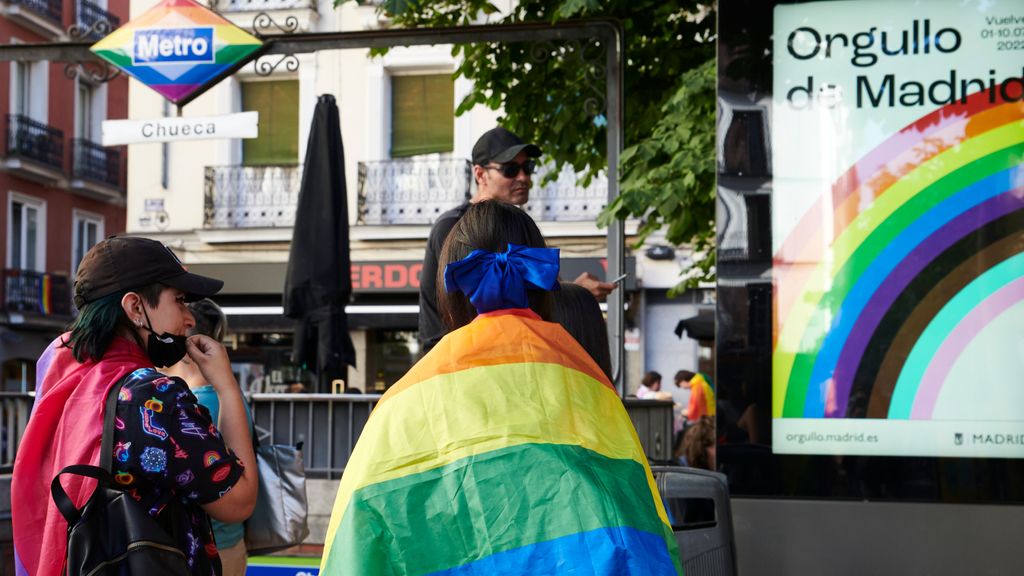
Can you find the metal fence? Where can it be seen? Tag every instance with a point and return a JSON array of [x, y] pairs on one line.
[[34, 140], [329, 425], [15, 408]]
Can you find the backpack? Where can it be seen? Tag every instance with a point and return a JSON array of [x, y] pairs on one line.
[[112, 534]]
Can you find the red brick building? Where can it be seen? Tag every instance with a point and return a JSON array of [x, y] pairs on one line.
[[60, 190]]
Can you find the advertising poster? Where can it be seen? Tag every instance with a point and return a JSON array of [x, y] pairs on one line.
[[898, 228]]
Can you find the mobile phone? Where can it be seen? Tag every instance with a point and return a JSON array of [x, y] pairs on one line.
[[619, 279]]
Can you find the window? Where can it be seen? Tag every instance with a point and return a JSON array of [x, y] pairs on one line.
[[88, 230], [21, 87], [29, 89], [422, 114], [278, 104], [83, 116], [19, 375], [27, 237]]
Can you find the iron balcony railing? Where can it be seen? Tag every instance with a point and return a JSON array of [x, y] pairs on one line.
[[419, 190], [263, 5], [92, 17], [411, 190], [51, 9], [251, 196], [96, 163], [36, 293], [34, 140], [390, 192], [563, 199]]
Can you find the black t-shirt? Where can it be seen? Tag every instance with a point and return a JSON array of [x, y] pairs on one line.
[[166, 446], [432, 329]]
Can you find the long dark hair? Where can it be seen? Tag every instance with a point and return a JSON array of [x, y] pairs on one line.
[[578, 312], [99, 321], [488, 225]]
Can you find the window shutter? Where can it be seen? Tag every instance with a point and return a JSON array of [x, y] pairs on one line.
[[278, 105], [422, 114]]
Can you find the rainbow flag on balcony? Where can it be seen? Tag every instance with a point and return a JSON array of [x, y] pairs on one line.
[[505, 450]]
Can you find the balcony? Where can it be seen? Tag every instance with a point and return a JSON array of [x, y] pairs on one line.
[[251, 196], [96, 170], [34, 150], [96, 20], [242, 13], [411, 190], [564, 200], [43, 16], [36, 298], [418, 190]]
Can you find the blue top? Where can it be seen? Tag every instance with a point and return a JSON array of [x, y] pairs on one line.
[[227, 535]]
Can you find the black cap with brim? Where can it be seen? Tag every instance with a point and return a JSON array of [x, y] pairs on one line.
[[501, 146], [124, 263], [194, 286], [532, 150]]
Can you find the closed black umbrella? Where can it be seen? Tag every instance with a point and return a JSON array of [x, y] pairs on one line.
[[318, 283]]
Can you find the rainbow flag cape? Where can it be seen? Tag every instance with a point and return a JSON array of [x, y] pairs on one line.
[[505, 450]]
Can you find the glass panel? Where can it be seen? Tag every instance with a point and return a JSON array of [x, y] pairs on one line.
[[422, 114], [869, 247], [278, 105], [84, 116], [21, 93], [31, 238], [17, 234]]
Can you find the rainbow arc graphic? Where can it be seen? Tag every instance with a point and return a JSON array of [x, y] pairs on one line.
[[201, 47], [924, 249]]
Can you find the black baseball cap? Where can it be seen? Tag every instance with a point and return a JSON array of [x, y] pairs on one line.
[[121, 263], [499, 145]]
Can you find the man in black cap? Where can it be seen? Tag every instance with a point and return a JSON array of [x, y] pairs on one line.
[[502, 168]]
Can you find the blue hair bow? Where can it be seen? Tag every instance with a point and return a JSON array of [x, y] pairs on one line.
[[498, 280]]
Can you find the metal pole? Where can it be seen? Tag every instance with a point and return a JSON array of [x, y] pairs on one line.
[[617, 229]]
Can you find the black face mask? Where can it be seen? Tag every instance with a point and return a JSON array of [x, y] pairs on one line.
[[164, 350]]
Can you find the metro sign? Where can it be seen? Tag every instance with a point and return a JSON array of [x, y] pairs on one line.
[[178, 48], [170, 45]]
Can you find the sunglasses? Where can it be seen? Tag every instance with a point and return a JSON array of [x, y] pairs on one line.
[[511, 169]]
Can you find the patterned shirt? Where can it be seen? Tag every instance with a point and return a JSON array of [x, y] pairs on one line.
[[166, 446]]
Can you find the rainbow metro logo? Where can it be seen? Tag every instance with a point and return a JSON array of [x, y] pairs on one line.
[[178, 48]]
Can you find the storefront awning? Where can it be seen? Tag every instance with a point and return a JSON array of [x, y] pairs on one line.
[[699, 327]]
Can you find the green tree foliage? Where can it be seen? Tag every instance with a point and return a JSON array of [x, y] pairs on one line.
[[553, 94]]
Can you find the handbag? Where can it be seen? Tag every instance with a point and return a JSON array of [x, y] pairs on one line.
[[279, 518], [112, 534]]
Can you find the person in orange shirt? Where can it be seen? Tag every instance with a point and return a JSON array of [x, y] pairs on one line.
[[702, 399]]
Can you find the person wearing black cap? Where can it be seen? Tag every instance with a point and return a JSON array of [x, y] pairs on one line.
[[167, 453], [502, 168]]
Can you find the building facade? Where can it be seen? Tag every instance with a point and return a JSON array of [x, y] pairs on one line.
[[228, 206], [61, 191]]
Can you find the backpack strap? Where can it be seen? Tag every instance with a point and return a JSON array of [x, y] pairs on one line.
[[109, 413], [100, 473], [60, 497]]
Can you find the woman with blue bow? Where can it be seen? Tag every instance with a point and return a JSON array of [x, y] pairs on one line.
[[504, 450]]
